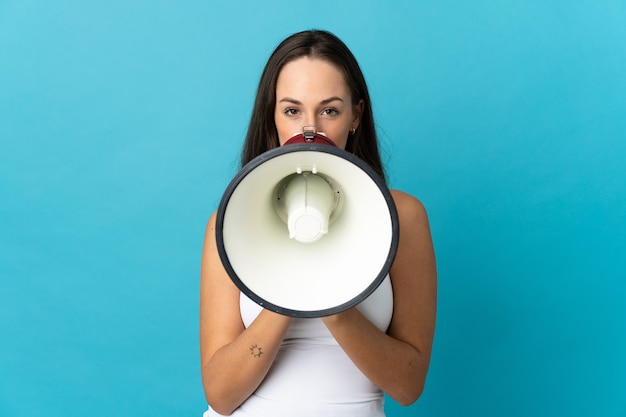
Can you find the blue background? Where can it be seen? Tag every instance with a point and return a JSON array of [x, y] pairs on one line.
[[121, 124]]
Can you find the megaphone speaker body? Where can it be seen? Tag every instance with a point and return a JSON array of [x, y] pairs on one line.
[[334, 266]]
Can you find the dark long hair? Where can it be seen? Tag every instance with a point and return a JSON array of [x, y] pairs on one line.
[[262, 134]]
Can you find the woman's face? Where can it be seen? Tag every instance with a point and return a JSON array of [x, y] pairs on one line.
[[312, 91]]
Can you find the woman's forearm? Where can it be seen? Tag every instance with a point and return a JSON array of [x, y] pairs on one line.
[[396, 367], [232, 374]]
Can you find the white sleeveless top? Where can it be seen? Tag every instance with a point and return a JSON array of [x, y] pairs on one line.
[[312, 375]]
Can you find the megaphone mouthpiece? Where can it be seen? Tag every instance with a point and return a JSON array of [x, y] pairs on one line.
[[307, 201]]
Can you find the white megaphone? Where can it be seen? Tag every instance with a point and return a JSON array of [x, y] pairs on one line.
[[307, 229]]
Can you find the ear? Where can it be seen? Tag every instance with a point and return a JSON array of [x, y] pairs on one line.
[[357, 111]]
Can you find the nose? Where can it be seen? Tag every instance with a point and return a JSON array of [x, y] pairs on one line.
[[315, 121], [311, 120]]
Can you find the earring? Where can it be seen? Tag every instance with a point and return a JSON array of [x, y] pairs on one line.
[[352, 131]]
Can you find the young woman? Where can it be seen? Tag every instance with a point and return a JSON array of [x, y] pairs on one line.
[[259, 363]]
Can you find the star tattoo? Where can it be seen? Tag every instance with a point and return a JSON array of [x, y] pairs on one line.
[[256, 351]]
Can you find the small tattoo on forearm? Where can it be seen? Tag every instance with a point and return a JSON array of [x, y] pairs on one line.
[[256, 351]]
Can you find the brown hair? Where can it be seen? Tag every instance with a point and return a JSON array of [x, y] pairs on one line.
[[262, 134]]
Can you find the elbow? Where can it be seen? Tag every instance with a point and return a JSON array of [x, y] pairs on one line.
[[410, 390], [221, 411], [409, 396], [219, 405], [410, 383], [218, 399]]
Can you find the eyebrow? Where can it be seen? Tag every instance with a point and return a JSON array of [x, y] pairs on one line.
[[323, 102]]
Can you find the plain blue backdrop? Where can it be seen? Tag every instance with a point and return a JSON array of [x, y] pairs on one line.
[[121, 124]]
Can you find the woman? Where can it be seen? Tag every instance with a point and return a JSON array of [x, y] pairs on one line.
[[259, 363]]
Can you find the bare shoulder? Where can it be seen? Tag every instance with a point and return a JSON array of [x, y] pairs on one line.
[[415, 259], [410, 209], [210, 226], [213, 274], [219, 297], [414, 276]]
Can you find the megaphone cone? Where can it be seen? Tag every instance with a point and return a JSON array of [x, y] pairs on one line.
[[307, 230]]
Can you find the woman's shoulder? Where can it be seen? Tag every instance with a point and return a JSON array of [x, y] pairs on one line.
[[408, 206]]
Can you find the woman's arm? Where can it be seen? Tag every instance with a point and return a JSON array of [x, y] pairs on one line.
[[397, 362], [234, 359]]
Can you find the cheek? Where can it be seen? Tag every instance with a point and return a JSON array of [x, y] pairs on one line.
[[284, 133], [281, 128], [342, 144], [341, 139], [342, 135]]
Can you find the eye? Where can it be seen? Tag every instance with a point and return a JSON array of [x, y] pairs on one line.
[[291, 111], [331, 111]]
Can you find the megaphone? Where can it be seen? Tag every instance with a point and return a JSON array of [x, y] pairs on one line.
[[307, 229]]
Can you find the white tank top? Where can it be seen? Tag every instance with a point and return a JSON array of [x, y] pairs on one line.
[[312, 375]]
